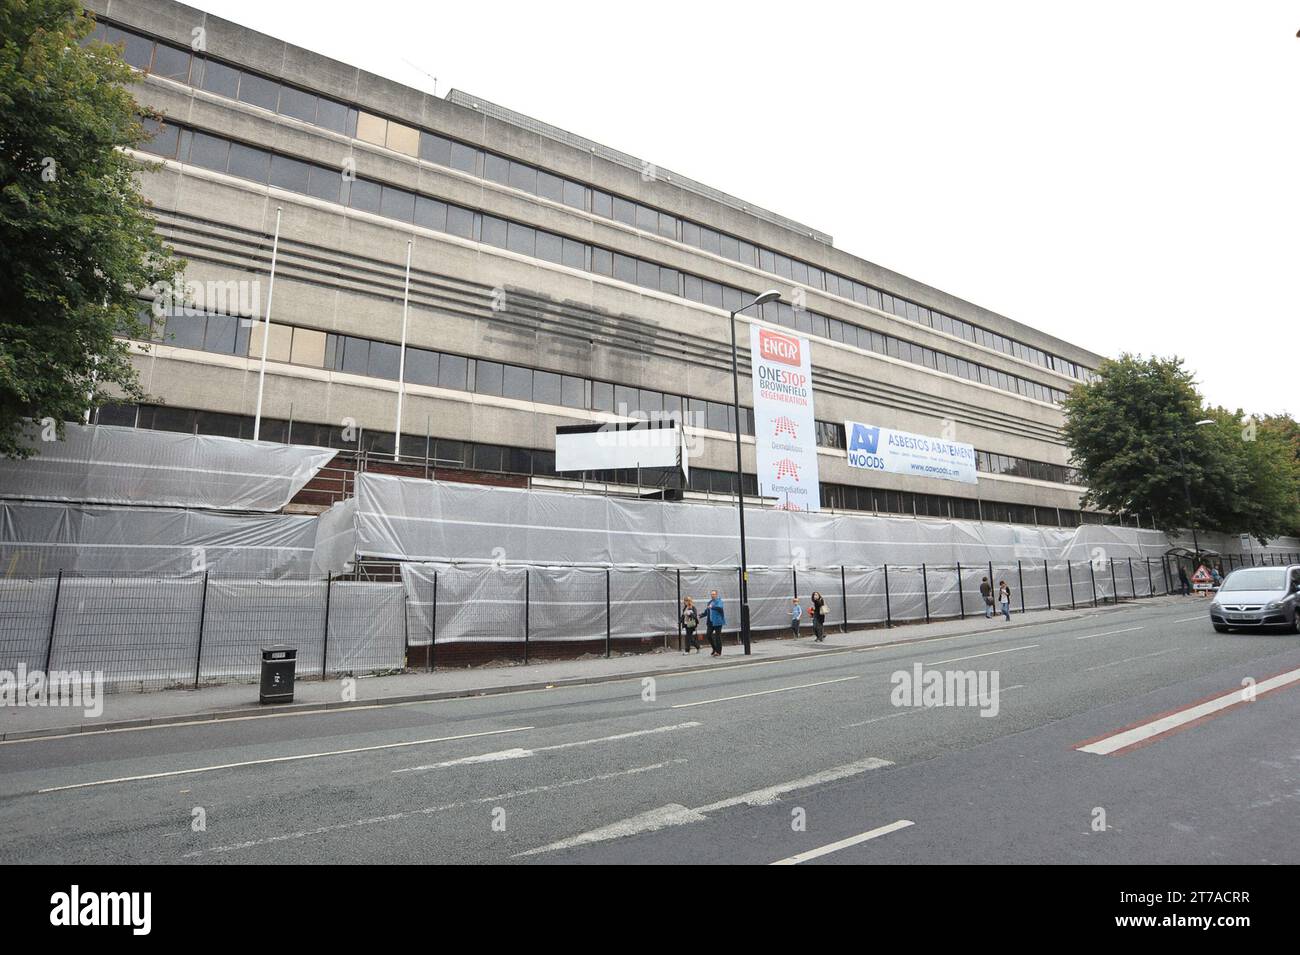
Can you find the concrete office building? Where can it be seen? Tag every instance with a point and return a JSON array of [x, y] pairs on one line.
[[554, 281]]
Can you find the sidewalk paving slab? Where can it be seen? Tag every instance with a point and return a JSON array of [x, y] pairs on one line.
[[124, 711]]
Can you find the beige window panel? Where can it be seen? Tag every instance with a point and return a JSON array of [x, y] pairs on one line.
[[372, 129], [403, 139], [281, 335], [308, 347]]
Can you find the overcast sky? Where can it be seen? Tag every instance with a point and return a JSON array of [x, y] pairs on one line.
[[1122, 175]]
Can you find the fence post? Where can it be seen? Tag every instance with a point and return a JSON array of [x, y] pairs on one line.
[[1114, 585], [1151, 585], [1132, 584], [1092, 574], [678, 575], [1020, 578], [607, 621], [925, 591], [325, 644], [527, 575], [433, 620], [889, 617], [54, 617], [203, 611], [1047, 582], [794, 580], [961, 601], [1069, 575], [844, 600]]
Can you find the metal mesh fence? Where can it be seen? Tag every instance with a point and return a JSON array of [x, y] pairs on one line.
[[145, 633]]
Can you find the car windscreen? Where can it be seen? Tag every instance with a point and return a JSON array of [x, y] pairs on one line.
[[1258, 578]]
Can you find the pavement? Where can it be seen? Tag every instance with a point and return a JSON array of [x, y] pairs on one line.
[[125, 710], [1134, 735]]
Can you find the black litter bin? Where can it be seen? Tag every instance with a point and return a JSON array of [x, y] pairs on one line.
[[278, 666]]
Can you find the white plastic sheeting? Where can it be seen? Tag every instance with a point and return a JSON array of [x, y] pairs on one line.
[[100, 464], [336, 539], [40, 538], [485, 603], [143, 632], [416, 520]]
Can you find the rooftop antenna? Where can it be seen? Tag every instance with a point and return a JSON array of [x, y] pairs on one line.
[[418, 70]]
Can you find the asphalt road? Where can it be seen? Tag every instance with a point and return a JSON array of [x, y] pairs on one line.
[[806, 760]]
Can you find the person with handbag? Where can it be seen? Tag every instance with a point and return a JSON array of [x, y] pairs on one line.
[[1004, 599], [818, 612], [690, 622]]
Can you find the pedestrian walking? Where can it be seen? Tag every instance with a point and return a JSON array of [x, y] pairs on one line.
[[796, 614], [818, 613], [1004, 599], [1183, 582], [715, 615], [986, 591], [690, 622]]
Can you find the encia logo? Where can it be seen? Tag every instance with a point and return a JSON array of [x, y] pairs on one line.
[[776, 347], [103, 908]]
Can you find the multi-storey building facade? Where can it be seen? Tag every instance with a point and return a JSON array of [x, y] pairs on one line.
[[553, 281]]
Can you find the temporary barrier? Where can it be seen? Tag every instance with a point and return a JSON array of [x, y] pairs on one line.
[[100, 464]]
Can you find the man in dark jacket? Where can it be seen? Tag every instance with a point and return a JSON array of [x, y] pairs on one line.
[[986, 591]]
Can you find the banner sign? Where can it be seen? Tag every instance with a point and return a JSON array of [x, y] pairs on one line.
[[620, 444], [785, 433], [901, 452]]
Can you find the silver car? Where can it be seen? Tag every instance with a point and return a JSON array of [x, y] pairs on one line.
[[1254, 597]]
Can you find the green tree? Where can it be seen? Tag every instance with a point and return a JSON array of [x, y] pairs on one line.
[[1134, 437], [78, 239]]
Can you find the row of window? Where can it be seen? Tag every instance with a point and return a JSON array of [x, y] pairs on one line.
[[259, 165], [491, 458], [174, 63], [226, 334]]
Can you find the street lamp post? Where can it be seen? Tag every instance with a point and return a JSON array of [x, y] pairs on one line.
[[1187, 489], [769, 296]]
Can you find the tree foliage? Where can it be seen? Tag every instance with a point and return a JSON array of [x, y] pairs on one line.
[[78, 239], [1134, 436]]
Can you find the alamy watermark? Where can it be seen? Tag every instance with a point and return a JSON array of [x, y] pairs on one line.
[[930, 688], [77, 689]]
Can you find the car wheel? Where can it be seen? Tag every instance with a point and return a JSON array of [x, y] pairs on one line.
[[1220, 628], [1295, 621]]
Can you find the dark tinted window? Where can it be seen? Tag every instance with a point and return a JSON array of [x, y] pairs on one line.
[[494, 231], [335, 116], [546, 387], [435, 149], [221, 79], [364, 195], [464, 157], [452, 371], [384, 361], [325, 183], [421, 367], [397, 204], [171, 63], [259, 91], [496, 168], [298, 104], [163, 141], [249, 163], [290, 174], [431, 213], [209, 152], [487, 377], [460, 222], [517, 383]]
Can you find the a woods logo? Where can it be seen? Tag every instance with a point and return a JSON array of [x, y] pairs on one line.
[[777, 347]]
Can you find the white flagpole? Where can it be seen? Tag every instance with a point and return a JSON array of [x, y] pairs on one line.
[[266, 329], [401, 361]]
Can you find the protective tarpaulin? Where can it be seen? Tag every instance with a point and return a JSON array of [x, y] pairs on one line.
[[336, 539], [100, 464], [416, 520], [39, 539]]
